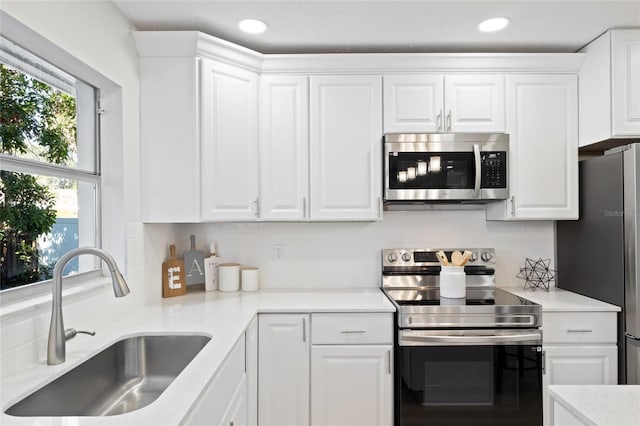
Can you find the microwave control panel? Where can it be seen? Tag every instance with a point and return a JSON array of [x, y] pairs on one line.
[[494, 169]]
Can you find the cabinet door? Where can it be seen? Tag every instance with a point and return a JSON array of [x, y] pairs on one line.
[[625, 82], [283, 370], [474, 103], [251, 368], [212, 406], [543, 147], [170, 139], [578, 365], [236, 413], [346, 147], [229, 143], [351, 385], [413, 103], [284, 147]]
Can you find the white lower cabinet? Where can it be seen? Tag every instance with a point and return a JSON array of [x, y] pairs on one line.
[[579, 349], [351, 385], [283, 369], [325, 369], [562, 417], [351, 369], [224, 400], [236, 414], [252, 371], [577, 365]]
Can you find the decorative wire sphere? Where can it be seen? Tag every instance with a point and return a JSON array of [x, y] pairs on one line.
[[537, 274]]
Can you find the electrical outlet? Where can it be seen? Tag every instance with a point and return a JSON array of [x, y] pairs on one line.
[[278, 251]]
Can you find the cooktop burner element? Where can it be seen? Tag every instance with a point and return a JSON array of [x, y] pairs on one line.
[[410, 278]]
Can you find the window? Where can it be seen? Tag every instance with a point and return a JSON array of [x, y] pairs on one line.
[[49, 168]]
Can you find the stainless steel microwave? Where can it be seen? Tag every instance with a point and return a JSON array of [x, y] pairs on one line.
[[445, 167]]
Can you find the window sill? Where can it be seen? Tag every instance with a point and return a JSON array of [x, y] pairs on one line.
[[26, 303]]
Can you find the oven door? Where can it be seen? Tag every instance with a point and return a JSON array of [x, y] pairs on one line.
[[463, 377]]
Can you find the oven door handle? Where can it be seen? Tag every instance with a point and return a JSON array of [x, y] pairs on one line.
[[476, 156], [425, 338]]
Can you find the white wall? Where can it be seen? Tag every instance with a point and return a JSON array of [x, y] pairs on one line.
[[98, 35], [348, 254]]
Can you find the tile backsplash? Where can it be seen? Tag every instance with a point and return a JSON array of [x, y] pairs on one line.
[[347, 254]]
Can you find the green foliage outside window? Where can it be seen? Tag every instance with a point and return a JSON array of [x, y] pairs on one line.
[[37, 122]]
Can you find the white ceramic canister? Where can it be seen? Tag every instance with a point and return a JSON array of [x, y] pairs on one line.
[[229, 277], [453, 282], [250, 278]]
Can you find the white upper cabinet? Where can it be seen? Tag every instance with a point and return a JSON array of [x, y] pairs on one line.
[[230, 134], [229, 157], [610, 87], [437, 103], [346, 147], [413, 103], [474, 103], [543, 148], [170, 139], [284, 147], [625, 96], [198, 128]]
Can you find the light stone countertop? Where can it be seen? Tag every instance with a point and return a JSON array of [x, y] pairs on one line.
[[223, 316], [559, 300], [600, 405]]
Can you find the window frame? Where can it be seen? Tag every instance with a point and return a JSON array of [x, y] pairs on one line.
[[109, 128], [14, 56]]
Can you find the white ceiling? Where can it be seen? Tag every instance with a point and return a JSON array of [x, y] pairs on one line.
[[391, 26]]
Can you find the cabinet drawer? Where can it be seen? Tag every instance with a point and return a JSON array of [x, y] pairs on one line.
[[579, 327], [357, 328]]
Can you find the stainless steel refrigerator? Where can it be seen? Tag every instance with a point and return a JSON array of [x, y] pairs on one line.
[[599, 254]]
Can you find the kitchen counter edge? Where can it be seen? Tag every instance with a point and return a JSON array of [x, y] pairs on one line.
[[224, 316], [560, 300]]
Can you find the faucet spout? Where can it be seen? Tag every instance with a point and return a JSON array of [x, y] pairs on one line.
[[56, 349]]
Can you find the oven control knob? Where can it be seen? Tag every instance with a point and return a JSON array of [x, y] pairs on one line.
[[473, 257], [392, 257], [406, 257], [486, 256]]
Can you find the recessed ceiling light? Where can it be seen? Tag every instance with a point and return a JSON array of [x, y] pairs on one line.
[[252, 26], [493, 24]]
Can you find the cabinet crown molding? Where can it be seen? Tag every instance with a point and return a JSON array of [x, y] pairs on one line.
[[194, 43]]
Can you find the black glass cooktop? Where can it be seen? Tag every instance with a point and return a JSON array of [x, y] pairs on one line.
[[474, 297]]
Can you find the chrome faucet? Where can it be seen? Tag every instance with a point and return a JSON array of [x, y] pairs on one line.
[[57, 334]]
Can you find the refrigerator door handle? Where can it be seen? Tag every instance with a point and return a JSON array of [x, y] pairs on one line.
[[632, 337]]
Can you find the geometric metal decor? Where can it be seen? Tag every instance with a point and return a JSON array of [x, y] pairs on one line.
[[537, 274]]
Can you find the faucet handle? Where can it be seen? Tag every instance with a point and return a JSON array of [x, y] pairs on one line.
[[70, 333]]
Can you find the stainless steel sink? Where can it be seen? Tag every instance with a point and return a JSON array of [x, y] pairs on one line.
[[124, 377]]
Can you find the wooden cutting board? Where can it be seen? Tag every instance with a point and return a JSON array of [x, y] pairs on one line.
[[173, 276]]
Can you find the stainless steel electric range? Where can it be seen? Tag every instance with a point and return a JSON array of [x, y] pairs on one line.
[[474, 360]]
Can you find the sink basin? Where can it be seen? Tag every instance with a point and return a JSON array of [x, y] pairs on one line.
[[124, 377]]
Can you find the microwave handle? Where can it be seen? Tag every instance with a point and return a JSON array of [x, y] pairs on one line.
[[476, 156]]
